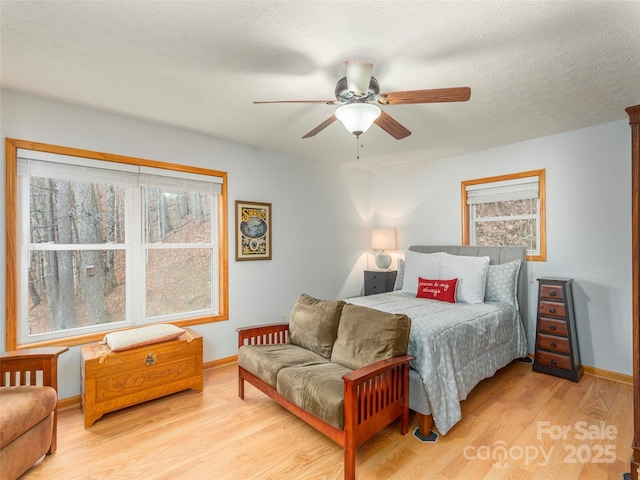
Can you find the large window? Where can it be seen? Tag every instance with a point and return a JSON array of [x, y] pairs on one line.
[[506, 210], [105, 242]]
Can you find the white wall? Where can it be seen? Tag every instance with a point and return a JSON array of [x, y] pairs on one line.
[[320, 229], [588, 175]]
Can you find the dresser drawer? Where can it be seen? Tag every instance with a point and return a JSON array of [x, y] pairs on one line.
[[555, 360], [552, 308], [375, 278], [555, 327], [552, 292], [553, 343]]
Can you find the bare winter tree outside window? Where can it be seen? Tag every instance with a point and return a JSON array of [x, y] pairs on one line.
[[72, 287], [178, 224], [513, 222]]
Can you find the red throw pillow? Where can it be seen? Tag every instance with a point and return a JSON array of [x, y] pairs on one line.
[[443, 290]]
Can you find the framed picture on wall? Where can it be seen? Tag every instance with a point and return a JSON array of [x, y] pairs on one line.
[[253, 230]]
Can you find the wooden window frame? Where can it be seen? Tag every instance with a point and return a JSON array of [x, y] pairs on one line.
[[13, 257], [466, 221]]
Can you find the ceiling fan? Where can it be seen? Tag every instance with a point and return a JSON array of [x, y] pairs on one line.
[[358, 92]]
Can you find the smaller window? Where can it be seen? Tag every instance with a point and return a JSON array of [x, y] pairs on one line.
[[506, 210]]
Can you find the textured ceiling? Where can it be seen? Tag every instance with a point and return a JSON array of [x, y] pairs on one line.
[[534, 68]]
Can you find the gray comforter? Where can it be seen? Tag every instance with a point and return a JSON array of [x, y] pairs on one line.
[[455, 345]]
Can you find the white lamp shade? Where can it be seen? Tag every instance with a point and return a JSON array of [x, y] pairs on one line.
[[383, 239], [357, 117]]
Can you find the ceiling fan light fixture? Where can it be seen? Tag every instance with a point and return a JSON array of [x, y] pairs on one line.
[[357, 117]]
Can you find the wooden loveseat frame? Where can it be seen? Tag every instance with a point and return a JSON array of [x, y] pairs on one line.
[[374, 395]]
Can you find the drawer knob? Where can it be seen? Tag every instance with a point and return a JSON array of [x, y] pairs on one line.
[[150, 359], [553, 344], [552, 293], [552, 327], [552, 310], [553, 361]]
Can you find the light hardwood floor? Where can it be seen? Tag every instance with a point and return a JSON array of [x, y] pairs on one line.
[[507, 428]]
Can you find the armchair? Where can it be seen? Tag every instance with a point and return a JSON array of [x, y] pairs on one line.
[[28, 413]]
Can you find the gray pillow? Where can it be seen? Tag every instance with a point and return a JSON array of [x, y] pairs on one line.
[[502, 283], [314, 324], [400, 277], [366, 336]]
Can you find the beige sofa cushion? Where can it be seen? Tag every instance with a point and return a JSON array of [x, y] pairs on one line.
[[314, 324], [22, 408], [317, 389], [366, 336], [265, 361]]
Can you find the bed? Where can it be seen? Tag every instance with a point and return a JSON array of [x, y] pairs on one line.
[[457, 345]]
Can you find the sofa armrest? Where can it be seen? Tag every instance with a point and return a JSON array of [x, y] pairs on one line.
[[22, 365], [263, 334], [374, 396], [369, 372]]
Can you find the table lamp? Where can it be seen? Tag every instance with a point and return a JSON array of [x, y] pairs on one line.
[[383, 239]]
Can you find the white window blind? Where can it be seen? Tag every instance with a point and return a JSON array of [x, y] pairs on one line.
[[58, 168], [516, 189], [184, 181], [64, 167]]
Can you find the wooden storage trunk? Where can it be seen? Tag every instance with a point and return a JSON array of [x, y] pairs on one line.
[[115, 380]]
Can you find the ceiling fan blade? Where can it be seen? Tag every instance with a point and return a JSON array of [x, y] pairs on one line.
[[391, 126], [457, 94], [328, 102], [321, 127], [358, 76]]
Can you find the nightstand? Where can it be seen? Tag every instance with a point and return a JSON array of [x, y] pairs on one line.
[[557, 350], [379, 281]]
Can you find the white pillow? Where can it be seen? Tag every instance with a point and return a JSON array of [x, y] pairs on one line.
[[139, 337], [471, 273], [425, 265]]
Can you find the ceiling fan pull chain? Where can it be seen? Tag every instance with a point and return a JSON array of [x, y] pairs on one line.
[[357, 147]]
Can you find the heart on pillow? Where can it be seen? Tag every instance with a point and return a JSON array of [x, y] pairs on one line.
[[442, 290]]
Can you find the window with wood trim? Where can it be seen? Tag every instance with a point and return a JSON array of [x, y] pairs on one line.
[[100, 242], [506, 210]]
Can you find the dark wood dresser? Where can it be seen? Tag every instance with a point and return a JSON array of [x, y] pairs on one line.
[[557, 350]]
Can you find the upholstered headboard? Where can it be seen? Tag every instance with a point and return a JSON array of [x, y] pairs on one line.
[[496, 256]]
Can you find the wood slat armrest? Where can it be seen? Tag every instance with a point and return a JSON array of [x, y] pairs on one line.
[[370, 371], [33, 352], [31, 360], [263, 334], [374, 396]]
